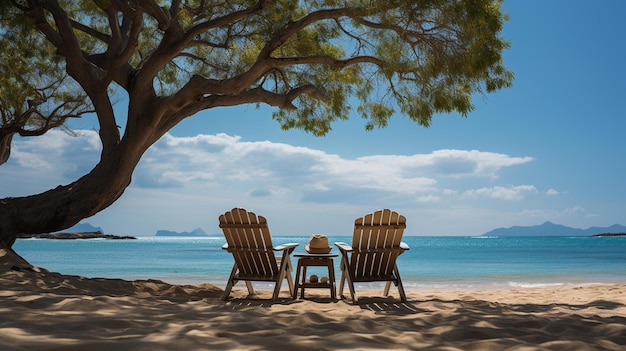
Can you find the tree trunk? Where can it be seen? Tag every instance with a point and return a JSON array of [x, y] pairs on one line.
[[66, 205], [5, 146]]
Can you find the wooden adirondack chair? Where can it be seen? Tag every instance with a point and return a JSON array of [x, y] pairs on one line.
[[248, 240], [376, 244]]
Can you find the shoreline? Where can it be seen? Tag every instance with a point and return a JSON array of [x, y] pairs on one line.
[[45, 310], [421, 288], [409, 284]]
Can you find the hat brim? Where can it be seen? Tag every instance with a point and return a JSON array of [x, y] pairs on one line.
[[318, 250]]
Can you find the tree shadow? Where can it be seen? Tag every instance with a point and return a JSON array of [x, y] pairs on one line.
[[46, 310]]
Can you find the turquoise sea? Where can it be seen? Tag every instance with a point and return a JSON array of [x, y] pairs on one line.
[[432, 262]]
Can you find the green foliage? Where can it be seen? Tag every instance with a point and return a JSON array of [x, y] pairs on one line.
[[35, 92], [376, 58]]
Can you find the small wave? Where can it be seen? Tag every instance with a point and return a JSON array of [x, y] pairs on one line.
[[528, 285]]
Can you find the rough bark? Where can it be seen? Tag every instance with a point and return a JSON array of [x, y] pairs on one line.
[[5, 146]]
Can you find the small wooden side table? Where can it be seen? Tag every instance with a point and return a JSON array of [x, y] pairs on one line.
[[321, 260]]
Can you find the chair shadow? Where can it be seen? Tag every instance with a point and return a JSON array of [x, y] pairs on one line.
[[386, 305], [263, 299]]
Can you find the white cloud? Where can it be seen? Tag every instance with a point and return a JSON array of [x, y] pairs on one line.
[[40, 163], [174, 161], [452, 163], [428, 199], [450, 192], [183, 179], [552, 192], [56, 150], [264, 167], [574, 211], [503, 193]]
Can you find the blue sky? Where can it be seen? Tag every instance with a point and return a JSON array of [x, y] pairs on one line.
[[551, 148]]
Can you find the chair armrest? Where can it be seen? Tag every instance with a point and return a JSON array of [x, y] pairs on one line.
[[288, 246], [343, 247], [404, 246]]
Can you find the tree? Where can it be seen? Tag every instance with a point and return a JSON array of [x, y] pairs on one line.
[[309, 59]]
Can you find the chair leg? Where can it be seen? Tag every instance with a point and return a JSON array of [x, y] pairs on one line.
[[355, 299], [285, 272], [231, 282], [294, 294], [277, 287], [387, 287], [400, 286], [289, 277], [250, 288], [342, 281], [345, 275]]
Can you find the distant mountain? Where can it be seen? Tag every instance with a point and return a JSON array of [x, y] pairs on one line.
[[195, 232], [83, 228], [551, 229]]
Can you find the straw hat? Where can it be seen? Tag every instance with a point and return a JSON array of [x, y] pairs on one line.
[[318, 244]]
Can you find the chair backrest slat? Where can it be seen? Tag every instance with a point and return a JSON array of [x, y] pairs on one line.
[[249, 240], [375, 242]]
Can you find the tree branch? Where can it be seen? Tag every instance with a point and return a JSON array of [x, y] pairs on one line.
[[256, 95], [226, 20], [90, 31], [157, 12], [89, 76], [324, 60]]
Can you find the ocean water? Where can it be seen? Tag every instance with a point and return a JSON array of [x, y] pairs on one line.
[[431, 263]]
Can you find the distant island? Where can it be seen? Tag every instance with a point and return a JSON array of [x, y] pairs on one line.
[[78, 231], [551, 229], [75, 235], [83, 228], [195, 232]]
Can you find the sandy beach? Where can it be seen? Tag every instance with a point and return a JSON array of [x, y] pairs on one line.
[[42, 310]]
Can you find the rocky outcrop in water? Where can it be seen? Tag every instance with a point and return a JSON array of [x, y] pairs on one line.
[[610, 234], [76, 235]]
